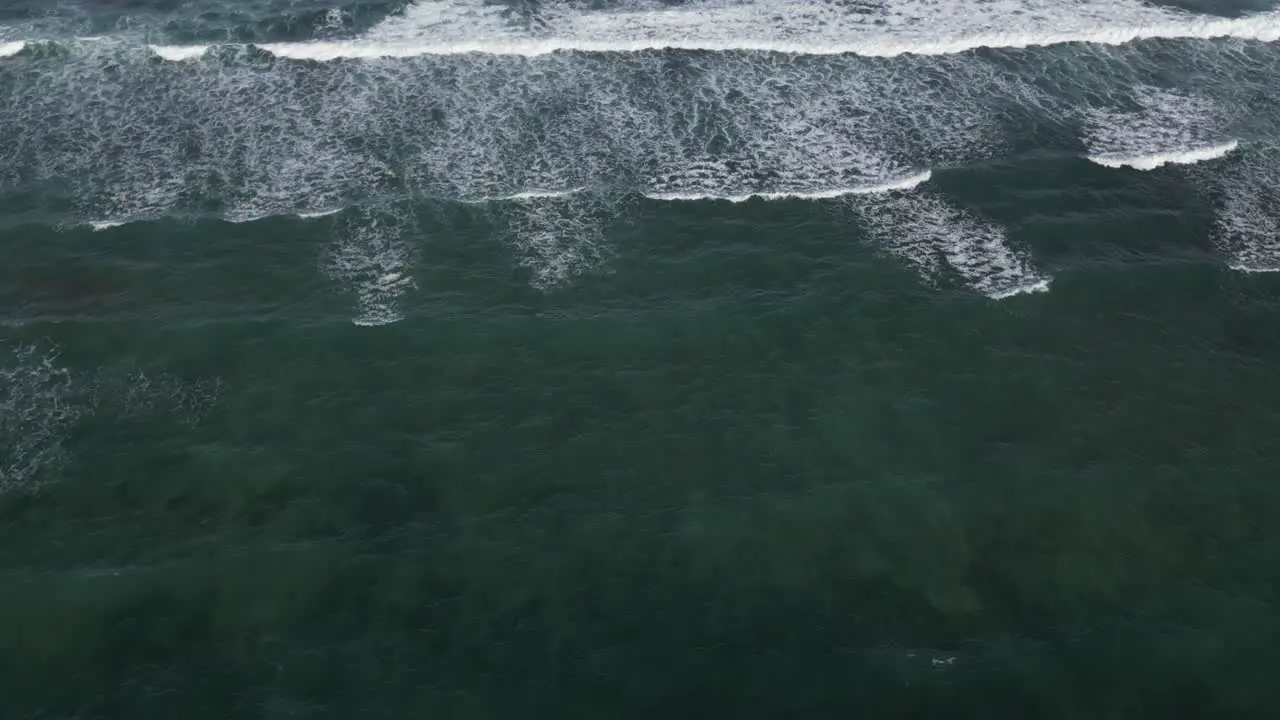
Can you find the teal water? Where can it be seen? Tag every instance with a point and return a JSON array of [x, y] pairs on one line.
[[608, 455]]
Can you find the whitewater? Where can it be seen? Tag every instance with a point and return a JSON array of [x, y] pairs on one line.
[[552, 117], [815, 27], [625, 358]]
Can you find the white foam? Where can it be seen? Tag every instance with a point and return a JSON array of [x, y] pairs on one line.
[[334, 19], [931, 235], [536, 194], [319, 174], [783, 128], [525, 195], [905, 183], [38, 404], [262, 141], [885, 29], [1028, 288], [371, 255], [237, 217], [1177, 157], [319, 214], [11, 48], [179, 53], [1248, 221], [558, 237], [1170, 128], [133, 197]]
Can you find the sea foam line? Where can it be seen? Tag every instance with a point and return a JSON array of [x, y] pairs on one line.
[[1262, 27], [526, 195], [1176, 157], [904, 183], [99, 225]]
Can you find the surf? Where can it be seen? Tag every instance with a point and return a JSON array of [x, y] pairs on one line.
[[897, 27], [1174, 157]]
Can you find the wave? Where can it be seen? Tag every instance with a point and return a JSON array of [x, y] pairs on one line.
[[101, 225], [554, 236], [42, 401], [1176, 157], [1262, 29], [886, 29], [240, 219], [533, 194], [1166, 127], [905, 182], [902, 183], [178, 53], [559, 237], [193, 21], [1248, 220], [121, 139], [371, 256], [11, 48], [936, 238], [38, 406], [318, 214], [246, 141]]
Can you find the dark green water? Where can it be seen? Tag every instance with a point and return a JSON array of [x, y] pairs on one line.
[[720, 460]]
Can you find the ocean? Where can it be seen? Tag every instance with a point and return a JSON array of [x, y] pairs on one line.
[[638, 359]]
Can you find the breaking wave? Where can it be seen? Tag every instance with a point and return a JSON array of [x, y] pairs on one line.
[[817, 27], [1167, 128], [672, 103]]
